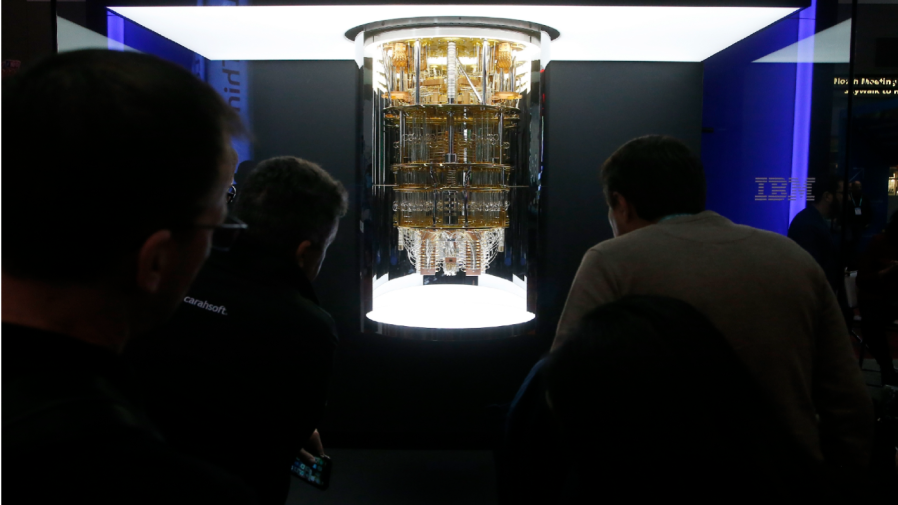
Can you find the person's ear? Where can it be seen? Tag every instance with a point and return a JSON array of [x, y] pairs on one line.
[[155, 256], [302, 252], [623, 208]]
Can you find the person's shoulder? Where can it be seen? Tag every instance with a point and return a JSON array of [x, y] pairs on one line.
[[310, 314], [256, 300], [769, 244], [285, 310], [769, 238], [807, 220]]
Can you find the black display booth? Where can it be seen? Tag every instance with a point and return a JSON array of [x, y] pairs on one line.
[[392, 392]]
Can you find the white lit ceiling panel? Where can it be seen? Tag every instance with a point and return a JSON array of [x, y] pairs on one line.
[[832, 45], [588, 33]]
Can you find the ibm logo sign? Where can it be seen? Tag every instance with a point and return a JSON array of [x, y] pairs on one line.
[[778, 189]]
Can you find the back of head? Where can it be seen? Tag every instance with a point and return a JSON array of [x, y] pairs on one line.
[[101, 149], [659, 175], [626, 355], [826, 182], [288, 200], [652, 376], [243, 170]]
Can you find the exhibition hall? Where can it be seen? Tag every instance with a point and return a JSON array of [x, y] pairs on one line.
[[511, 181]]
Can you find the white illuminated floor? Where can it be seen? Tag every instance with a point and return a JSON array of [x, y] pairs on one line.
[[588, 33], [406, 301]]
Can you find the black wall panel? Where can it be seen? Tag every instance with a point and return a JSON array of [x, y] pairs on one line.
[[591, 109], [309, 109]]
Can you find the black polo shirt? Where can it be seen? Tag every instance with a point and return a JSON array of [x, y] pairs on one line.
[[73, 432], [239, 375]]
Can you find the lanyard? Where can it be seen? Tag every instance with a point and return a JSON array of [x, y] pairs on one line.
[[665, 218]]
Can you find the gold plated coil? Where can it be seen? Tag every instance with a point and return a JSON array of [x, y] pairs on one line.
[[400, 56]]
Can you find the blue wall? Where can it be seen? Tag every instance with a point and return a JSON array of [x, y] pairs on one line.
[[229, 78], [751, 109], [148, 41]]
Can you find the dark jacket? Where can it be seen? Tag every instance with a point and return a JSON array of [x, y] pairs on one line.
[[859, 215], [239, 375], [74, 433], [813, 234]]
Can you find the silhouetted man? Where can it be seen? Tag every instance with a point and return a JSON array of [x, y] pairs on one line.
[[239, 375], [858, 217], [811, 229], [113, 167], [768, 298]]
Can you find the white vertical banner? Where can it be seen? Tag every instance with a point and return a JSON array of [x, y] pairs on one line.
[[804, 80], [360, 49], [230, 78], [545, 49]]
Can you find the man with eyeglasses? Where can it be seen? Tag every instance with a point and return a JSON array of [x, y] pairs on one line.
[[239, 375], [96, 254]]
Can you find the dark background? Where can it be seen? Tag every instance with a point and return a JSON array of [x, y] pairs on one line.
[[390, 392]]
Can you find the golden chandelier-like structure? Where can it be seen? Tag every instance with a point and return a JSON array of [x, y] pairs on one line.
[[454, 103]]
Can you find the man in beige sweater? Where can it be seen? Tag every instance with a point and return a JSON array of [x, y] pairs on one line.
[[768, 297]]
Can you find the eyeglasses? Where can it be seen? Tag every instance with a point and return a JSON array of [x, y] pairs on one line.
[[225, 234]]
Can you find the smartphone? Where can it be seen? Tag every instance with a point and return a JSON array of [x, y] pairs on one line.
[[318, 475]]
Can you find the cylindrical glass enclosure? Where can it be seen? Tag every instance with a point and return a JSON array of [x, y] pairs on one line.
[[454, 172]]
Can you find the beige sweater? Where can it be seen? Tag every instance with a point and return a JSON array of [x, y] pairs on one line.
[[770, 300]]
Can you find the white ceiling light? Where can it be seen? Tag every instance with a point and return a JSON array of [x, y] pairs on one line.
[[588, 33], [832, 45], [72, 37]]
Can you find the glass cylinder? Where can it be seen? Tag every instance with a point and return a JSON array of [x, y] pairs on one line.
[[449, 218]]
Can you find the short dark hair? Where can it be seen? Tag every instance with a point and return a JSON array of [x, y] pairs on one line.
[[102, 149], [288, 200], [658, 174], [243, 170], [827, 182]]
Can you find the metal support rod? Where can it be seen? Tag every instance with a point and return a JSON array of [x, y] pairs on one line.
[[462, 68], [451, 157], [451, 73], [388, 75], [501, 136], [484, 63], [512, 78], [402, 146], [418, 72]]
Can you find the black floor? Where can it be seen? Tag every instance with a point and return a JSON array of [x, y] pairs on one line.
[[425, 477], [403, 477]]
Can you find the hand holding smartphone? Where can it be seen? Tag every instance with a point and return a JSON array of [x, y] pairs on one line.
[[317, 474]]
